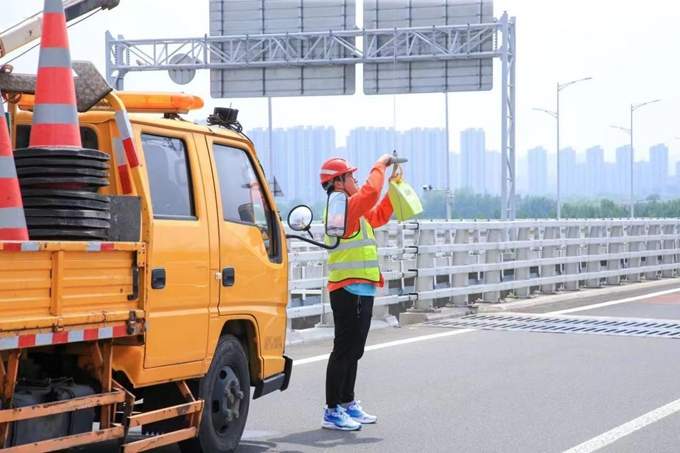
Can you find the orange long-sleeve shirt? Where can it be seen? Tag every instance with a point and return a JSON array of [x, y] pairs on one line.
[[365, 204]]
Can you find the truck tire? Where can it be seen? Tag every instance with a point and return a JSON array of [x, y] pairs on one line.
[[226, 392]]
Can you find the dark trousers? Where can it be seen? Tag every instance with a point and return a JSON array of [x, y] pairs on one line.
[[352, 318]]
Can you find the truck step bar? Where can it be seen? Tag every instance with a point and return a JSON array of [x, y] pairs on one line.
[[115, 432], [192, 410]]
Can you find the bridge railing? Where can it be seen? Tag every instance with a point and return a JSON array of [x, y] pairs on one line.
[[427, 264]]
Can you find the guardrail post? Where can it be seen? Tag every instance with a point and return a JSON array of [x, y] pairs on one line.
[[460, 279], [676, 255], [634, 245], [573, 232], [615, 231], [653, 244], [668, 244], [594, 248], [549, 251], [522, 273], [425, 260], [326, 318], [493, 235]]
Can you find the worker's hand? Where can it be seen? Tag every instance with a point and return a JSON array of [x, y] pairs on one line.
[[385, 159]]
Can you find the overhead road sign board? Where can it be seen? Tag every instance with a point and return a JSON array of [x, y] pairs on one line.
[[463, 74], [258, 17]]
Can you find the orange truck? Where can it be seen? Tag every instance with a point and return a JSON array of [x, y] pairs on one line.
[[167, 323]]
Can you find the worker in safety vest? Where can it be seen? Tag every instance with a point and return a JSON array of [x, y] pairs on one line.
[[353, 277]]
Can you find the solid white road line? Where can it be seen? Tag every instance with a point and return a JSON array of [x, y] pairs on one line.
[[323, 357], [389, 344], [617, 433], [614, 302]]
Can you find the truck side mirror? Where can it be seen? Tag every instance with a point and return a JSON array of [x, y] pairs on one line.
[[300, 218], [336, 214]]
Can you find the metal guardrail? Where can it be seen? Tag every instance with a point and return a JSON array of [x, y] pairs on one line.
[[430, 263]]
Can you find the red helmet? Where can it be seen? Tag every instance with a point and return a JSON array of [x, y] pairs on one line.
[[333, 168]]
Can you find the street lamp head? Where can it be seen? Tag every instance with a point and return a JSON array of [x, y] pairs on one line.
[[561, 86], [621, 128], [634, 107], [549, 112]]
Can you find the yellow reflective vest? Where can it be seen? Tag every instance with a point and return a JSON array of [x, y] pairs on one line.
[[355, 257]]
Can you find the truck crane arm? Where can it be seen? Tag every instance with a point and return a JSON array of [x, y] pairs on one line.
[[30, 29]]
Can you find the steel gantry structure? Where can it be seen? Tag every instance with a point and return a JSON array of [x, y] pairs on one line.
[[323, 48]]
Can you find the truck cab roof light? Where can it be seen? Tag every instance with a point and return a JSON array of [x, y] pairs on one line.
[[140, 102]]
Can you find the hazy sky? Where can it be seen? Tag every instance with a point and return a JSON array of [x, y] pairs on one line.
[[630, 48]]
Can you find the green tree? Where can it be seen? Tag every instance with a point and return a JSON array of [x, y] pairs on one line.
[[536, 208]]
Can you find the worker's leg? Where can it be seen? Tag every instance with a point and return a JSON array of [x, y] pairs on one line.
[[364, 312], [346, 330], [351, 406]]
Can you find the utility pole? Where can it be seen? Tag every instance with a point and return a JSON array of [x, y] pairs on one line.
[[629, 131], [556, 114]]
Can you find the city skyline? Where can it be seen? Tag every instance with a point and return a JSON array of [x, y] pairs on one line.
[[473, 166]]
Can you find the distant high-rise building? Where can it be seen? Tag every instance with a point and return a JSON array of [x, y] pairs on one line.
[[568, 172], [594, 170], [642, 183], [426, 151], [473, 162], [493, 172], [424, 148], [580, 179], [622, 186], [537, 160], [365, 145], [297, 153], [456, 182], [658, 167]]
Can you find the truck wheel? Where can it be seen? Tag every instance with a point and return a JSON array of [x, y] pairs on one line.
[[226, 392]]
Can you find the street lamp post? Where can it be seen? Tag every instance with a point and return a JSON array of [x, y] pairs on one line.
[[448, 197], [633, 108], [556, 115]]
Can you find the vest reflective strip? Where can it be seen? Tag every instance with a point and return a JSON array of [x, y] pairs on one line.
[[353, 265], [355, 244]]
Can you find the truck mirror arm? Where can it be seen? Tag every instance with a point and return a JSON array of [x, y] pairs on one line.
[[313, 242]]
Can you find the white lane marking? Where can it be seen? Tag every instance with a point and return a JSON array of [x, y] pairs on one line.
[[630, 427], [389, 344], [322, 357], [614, 302]]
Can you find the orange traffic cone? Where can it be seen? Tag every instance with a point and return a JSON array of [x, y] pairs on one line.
[[12, 219], [55, 117]]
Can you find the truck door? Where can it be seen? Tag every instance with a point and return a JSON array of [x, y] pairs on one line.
[[254, 276], [179, 250]]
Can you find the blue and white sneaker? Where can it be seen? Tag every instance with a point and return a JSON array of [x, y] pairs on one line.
[[358, 414], [339, 419]]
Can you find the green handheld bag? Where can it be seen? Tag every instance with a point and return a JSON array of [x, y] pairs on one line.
[[405, 201]]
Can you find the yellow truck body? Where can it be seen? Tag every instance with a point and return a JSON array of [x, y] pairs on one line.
[[210, 263]]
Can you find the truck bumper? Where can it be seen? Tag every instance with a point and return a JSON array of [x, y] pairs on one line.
[[277, 382]]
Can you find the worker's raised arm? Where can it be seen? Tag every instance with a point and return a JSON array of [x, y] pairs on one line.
[[380, 215], [361, 203]]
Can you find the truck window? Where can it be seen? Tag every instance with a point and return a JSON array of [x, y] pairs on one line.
[[169, 177], [242, 196], [87, 135]]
